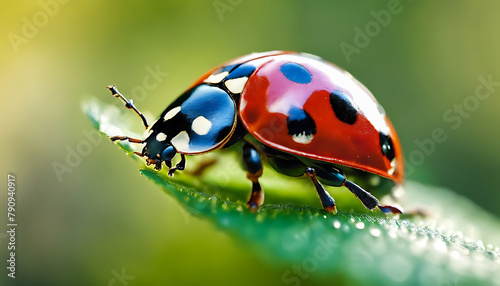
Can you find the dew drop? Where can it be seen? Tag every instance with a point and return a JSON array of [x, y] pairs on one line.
[[360, 225], [336, 224], [440, 245], [375, 232]]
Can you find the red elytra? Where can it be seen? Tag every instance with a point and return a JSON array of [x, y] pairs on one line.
[[358, 145], [268, 95]]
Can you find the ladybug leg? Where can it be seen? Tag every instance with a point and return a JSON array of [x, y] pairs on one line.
[[128, 103], [253, 165], [123, 138], [368, 200], [326, 200], [180, 166], [138, 154], [131, 140]]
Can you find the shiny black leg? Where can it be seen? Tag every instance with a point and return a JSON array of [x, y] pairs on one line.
[[253, 165], [180, 166], [326, 200], [368, 200]]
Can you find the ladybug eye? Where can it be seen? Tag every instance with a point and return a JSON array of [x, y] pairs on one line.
[[168, 153]]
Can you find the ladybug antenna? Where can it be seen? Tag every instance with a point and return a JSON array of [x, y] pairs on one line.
[[368, 200], [128, 103]]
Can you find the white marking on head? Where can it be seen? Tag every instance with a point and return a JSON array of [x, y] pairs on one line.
[[171, 113], [201, 125], [181, 141], [236, 85], [216, 78], [161, 137], [302, 138]]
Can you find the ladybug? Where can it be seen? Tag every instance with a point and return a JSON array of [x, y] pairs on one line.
[[299, 113]]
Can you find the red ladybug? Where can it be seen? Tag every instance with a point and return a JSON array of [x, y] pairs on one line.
[[300, 113]]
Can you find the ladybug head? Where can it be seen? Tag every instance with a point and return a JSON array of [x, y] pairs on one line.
[[158, 150]]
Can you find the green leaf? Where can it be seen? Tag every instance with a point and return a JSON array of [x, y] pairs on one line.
[[454, 245]]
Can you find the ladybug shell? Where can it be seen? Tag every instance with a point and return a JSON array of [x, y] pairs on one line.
[[301, 104]]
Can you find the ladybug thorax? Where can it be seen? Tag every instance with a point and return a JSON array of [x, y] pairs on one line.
[[200, 120]]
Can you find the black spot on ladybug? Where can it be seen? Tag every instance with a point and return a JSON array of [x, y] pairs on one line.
[[386, 146], [296, 73], [343, 108], [300, 125]]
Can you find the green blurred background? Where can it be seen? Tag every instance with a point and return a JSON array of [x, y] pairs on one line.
[[98, 217]]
